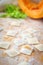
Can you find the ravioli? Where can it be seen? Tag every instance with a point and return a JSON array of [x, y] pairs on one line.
[[23, 63], [15, 23], [26, 49], [12, 51], [39, 47], [12, 32], [4, 45], [32, 40]]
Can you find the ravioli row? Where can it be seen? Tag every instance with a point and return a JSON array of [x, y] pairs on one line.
[[19, 38]]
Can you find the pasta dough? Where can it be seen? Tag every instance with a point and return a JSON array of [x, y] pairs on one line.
[[12, 51], [39, 47], [23, 63], [4, 44], [12, 32], [32, 40], [26, 49]]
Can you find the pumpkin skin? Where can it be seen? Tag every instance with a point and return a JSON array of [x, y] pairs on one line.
[[33, 10]]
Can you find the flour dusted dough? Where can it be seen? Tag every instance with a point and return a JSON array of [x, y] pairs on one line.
[[19, 41], [12, 51], [39, 47], [26, 49], [32, 30], [4, 44], [12, 32], [23, 63], [15, 23], [1, 27], [25, 34], [32, 40]]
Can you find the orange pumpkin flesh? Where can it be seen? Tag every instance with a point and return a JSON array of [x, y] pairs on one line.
[[33, 10]]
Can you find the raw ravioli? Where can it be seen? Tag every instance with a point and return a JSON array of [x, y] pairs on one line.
[[4, 44], [26, 49], [39, 47]]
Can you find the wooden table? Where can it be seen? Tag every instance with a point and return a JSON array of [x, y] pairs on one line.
[[37, 57]]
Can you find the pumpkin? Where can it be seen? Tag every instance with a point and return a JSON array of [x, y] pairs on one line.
[[33, 10]]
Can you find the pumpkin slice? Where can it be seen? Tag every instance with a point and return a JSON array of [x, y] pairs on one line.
[[33, 10]]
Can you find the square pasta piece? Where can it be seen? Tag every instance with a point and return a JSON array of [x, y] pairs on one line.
[[25, 34], [39, 47], [23, 63], [26, 49], [7, 38], [32, 30], [12, 32], [19, 41], [32, 40], [13, 51], [4, 44]]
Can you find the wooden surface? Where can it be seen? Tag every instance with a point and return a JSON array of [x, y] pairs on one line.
[[37, 57]]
